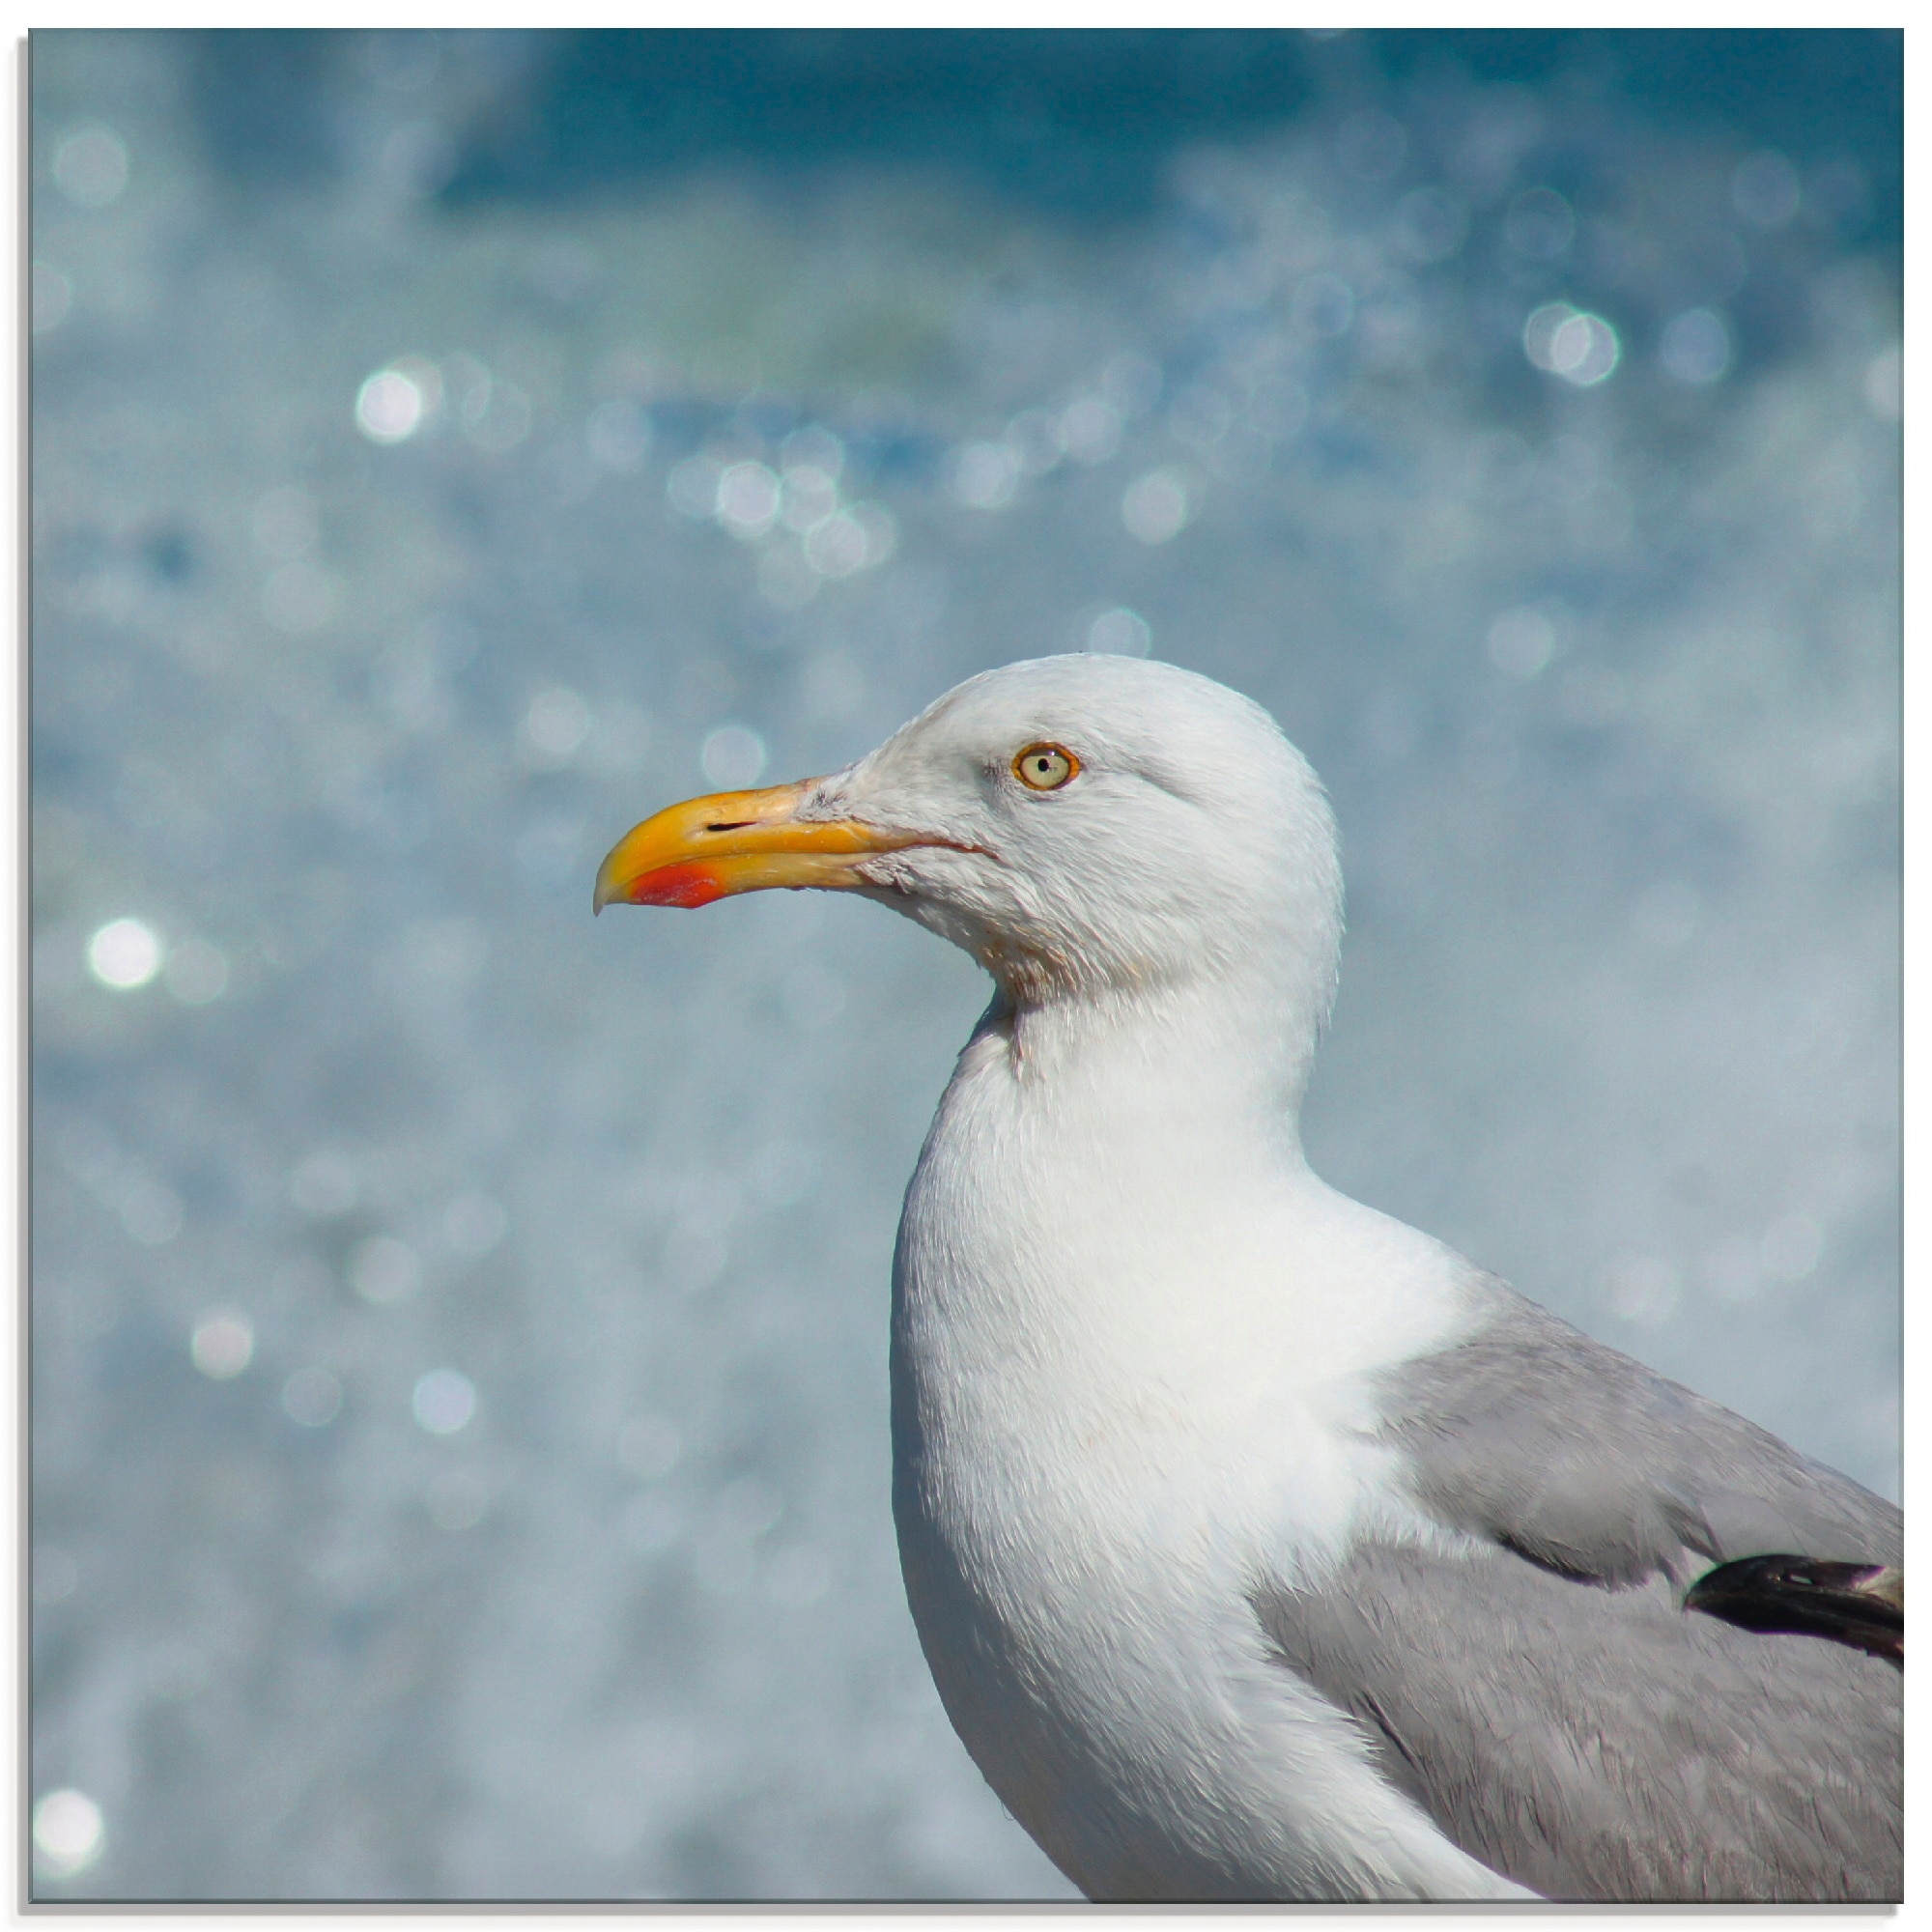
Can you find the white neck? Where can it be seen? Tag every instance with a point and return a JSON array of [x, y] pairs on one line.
[[1226, 1053], [1092, 1150]]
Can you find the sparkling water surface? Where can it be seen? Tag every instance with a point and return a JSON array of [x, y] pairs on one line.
[[459, 1427]]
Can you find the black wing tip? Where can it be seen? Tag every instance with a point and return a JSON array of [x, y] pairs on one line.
[[1858, 1605]]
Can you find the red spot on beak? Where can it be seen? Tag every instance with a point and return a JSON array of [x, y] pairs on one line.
[[687, 886]]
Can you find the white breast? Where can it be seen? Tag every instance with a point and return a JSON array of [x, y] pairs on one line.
[[1128, 1383]]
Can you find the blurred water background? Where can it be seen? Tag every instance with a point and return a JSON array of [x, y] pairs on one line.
[[459, 1433]]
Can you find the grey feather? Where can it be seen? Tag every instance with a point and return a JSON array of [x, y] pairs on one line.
[[1597, 1745], [1583, 1461], [1545, 1696]]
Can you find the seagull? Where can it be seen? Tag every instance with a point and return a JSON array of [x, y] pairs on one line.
[[1262, 1546]]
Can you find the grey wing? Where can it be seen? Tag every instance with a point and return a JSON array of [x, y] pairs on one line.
[[1585, 1460], [1538, 1686], [1597, 1745]]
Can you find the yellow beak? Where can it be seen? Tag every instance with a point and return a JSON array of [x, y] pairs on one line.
[[736, 841]]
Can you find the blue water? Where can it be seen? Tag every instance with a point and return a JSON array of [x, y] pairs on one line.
[[459, 1326]]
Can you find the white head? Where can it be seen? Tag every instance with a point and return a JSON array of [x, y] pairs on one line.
[[1086, 827]]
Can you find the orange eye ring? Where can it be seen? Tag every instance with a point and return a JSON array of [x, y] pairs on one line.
[[1045, 767]]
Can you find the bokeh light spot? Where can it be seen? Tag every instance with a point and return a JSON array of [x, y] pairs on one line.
[[1642, 1289], [692, 487], [1521, 642], [1033, 437], [312, 1398], [879, 529], [443, 1401], [553, 730], [150, 1211], [68, 1831], [1695, 346], [812, 447], [197, 973], [732, 756], [1884, 383], [1584, 351], [618, 435], [498, 415], [786, 578], [395, 402], [1372, 144], [1431, 224], [223, 1343], [838, 547], [474, 1224], [1123, 633], [1155, 506], [985, 475], [810, 497], [52, 297], [1540, 224], [747, 500], [382, 1269], [1089, 430], [125, 953], [1571, 343], [90, 167]]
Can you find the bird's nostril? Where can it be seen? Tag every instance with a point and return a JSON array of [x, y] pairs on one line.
[[736, 825]]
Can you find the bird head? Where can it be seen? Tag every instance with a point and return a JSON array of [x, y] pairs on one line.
[[1077, 823]]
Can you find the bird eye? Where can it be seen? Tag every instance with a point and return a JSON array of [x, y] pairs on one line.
[[1045, 767]]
